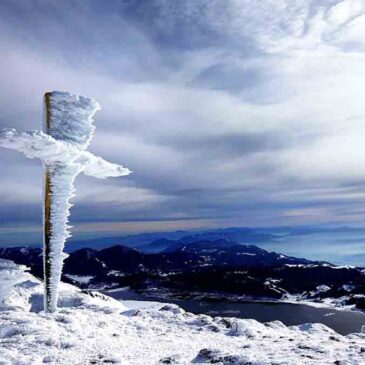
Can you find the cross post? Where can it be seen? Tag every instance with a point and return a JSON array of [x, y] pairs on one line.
[[61, 146]]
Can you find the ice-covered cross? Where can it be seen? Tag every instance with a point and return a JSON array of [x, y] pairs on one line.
[[68, 130]]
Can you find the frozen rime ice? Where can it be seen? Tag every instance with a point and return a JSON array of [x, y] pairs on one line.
[[62, 148], [72, 117], [37, 144]]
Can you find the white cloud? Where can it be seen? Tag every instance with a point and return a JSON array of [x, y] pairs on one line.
[[285, 77]]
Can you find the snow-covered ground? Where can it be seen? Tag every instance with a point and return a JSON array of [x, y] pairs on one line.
[[95, 329], [337, 303]]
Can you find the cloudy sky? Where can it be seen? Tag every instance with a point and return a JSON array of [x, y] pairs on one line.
[[229, 112]]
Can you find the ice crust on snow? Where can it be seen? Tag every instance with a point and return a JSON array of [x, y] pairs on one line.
[[95, 329], [69, 127]]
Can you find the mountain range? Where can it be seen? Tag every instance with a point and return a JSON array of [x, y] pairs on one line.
[[158, 241], [244, 235], [314, 242], [222, 266]]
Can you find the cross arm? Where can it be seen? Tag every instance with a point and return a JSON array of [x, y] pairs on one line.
[[98, 167], [36, 144]]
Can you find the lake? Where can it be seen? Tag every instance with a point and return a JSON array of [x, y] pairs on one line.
[[343, 322]]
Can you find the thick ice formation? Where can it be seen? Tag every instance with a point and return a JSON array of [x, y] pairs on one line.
[[37, 144], [68, 130], [70, 117]]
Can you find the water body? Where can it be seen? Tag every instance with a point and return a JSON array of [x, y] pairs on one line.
[[343, 322]]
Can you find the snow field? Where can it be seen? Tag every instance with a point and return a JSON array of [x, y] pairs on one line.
[[95, 329]]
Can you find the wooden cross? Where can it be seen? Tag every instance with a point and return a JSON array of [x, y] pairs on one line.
[[61, 146]]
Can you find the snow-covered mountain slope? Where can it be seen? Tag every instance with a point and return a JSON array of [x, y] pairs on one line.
[[94, 329], [220, 267]]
